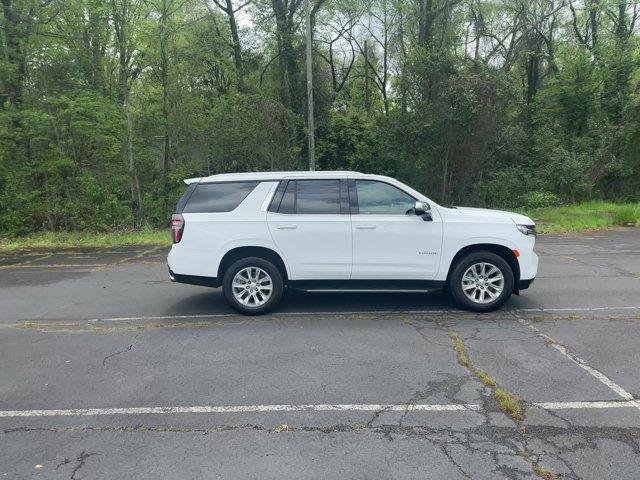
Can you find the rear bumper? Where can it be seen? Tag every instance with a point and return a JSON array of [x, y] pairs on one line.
[[194, 280]]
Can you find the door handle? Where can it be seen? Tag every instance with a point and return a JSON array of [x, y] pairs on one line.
[[366, 227], [287, 227]]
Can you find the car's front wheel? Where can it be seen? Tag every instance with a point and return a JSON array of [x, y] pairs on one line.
[[252, 285], [481, 281]]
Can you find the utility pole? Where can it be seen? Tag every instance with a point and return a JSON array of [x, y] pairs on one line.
[[366, 77], [310, 121]]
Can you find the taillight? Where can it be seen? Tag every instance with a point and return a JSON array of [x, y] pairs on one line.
[[177, 227]]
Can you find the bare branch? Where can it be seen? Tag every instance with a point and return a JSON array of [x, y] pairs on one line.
[[264, 70], [581, 39], [237, 9]]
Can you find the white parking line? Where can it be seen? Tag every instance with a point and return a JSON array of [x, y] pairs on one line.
[[576, 309], [452, 407], [353, 312], [587, 405], [240, 409], [582, 364], [226, 315]]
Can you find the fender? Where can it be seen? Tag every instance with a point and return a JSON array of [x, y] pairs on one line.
[[449, 251], [248, 242]]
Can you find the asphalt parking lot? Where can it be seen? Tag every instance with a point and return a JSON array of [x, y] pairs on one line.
[[110, 371]]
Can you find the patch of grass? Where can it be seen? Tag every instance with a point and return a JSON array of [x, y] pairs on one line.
[[544, 473], [595, 215], [508, 403], [283, 428], [485, 378], [461, 350], [56, 240], [626, 215]]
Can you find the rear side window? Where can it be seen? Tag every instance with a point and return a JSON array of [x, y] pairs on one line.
[[318, 197], [312, 197], [218, 197], [288, 204], [185, 197]]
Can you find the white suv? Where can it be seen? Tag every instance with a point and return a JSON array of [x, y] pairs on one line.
[[256, 234]]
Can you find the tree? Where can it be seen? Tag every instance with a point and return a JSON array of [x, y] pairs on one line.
[[126, 15], [230, 11], [107, 105]]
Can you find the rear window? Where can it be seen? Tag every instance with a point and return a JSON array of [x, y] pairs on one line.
[[218, 197]]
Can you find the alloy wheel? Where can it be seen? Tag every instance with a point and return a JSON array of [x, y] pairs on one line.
[[252, 286], [482, 283]]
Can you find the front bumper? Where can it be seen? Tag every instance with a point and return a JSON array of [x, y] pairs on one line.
[[524, 284]]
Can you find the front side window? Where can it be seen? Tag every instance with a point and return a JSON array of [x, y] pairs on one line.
[[218, 197], [379, 198]]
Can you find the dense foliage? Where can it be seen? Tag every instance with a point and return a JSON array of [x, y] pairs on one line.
[[106, 105]]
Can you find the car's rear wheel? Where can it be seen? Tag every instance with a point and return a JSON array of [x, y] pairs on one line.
[[252, 285], [481, 281]]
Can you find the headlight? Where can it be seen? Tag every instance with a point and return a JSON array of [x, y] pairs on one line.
[[527, 229]]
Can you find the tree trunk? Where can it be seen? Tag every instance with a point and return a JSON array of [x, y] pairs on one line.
[[367, 105], [593, 19], [385, 64], [164, 74], [237, 47], [15, 33], [426, 17], [288, 66], [121, 17], [403, 51], [136, 195]]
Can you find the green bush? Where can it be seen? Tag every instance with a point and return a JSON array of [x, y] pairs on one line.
[[626, 215], [533, 200]]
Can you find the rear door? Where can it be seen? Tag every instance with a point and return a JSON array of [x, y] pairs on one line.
[[311, 227], [389, 240]]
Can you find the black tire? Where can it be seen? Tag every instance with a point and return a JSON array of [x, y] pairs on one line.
[[461, 266], [269, 268]]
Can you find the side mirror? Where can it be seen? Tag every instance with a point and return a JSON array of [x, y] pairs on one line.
[[423, 209]]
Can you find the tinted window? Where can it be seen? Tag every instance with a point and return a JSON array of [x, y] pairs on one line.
[[378, 198], [185, 196], [318, 196], [288, 204], [218, 197], [277, 197]]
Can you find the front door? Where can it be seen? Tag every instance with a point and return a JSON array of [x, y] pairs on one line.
[[389, 240], [312, 229]]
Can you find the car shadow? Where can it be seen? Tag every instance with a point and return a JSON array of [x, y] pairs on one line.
[[212, 302], [300, 301]]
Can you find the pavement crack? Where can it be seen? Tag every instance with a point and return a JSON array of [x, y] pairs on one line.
[[447, 453], [81, 459], [63, 462], [119, 352], [509, 403], [375, 416]]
